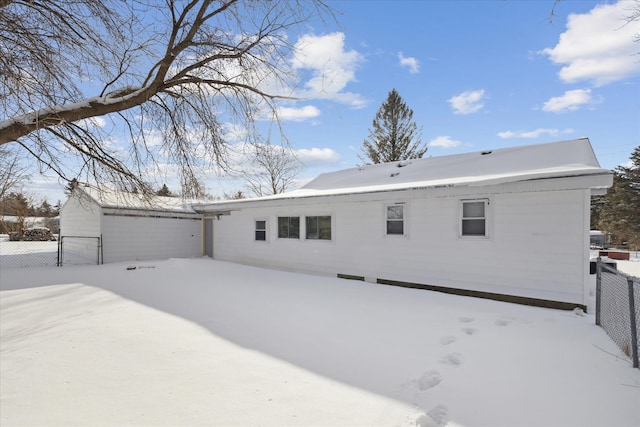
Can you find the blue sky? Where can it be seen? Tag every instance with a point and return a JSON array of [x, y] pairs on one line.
[[477, 74]]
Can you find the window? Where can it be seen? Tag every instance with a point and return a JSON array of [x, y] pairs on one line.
[[318, 227], [289, 227], [395, 220], [261, 230], [474, 218]]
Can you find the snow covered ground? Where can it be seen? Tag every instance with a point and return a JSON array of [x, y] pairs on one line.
[[203, 342]]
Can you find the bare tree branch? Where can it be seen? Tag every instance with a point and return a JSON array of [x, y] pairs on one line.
[[176, 71], [13, 172]]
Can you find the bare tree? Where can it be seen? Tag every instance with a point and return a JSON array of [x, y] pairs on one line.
[[13, 172], [168, 73], [274, 170]]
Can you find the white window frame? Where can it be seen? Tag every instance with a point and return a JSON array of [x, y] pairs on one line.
[[486, 218], [266, 229], [404, 220], [304, 231], [289, 217]]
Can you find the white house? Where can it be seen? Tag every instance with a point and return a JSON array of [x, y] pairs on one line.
[[510, 224], [108, 226]]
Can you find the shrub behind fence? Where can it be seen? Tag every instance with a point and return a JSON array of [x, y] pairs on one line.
[[618, 308]]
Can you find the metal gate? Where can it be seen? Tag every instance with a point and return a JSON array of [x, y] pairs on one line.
[[79, 250]]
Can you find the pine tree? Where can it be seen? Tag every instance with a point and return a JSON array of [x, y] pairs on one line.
[[71, 185], [620, 215], [164, 191], [394, 136]]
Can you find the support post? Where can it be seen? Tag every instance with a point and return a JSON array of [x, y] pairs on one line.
[[634, 326], [598, 289]]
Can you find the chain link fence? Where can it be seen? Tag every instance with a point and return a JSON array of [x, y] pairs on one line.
[[618, 308], [79, 250], [19, 254], [67, 250]]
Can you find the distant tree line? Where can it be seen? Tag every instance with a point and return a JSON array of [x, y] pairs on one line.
[[618, 212], [19, 204], [16, 206]]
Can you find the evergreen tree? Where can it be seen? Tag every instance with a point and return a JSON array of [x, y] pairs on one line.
[[45, 209], [164, 191], [71, 185], [394, 136], [597, 205], [235, 196], [620, 214]]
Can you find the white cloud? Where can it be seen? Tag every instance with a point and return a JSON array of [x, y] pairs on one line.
[[598, 46], [298, 114], [95, 122], [532, 133], [467, 102], [570, 101], [317, 156], [412, 63], [233, 132], [444, 142], [330, 68]]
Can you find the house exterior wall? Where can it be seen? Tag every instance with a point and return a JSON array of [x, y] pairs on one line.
[[535, 246], [80, 216], [80, 229], [140, 237]]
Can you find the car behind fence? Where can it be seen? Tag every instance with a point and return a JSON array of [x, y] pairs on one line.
[[618, 308]]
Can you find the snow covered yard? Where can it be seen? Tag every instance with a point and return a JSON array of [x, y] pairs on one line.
[[203, 342]]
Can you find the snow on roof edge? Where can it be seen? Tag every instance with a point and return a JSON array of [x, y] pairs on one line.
[[580, 149], [111, 199]]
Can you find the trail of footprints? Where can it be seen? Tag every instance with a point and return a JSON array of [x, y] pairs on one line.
[[438, 415]]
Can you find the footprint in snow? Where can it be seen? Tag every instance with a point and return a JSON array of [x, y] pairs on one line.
[[469, 331], [452, 359], [447, 340], [429, 380], [502, 322], [464, 319], [436, 417]]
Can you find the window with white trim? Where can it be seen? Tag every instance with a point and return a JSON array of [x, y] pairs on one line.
[[473, 218], [289, 227], [318, 227], [395, 219], [261, 230]]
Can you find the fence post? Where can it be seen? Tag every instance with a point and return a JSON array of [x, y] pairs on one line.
[[60, 250], [634, 326], [598, 289]]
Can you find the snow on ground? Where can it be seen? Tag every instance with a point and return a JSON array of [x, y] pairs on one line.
[[203, 342]]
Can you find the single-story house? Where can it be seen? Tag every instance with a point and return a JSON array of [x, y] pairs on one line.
[[509, 223], [109, 226]]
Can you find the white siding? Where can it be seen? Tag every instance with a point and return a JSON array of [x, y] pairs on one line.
[[80, 217], [128, 238], [535, 248]]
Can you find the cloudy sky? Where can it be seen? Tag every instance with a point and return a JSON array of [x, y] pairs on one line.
[[477, 74]]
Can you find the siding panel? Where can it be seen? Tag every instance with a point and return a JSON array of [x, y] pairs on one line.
[[534, 248], [139, 238]]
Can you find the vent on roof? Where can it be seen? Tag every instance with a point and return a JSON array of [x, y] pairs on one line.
[[484, 153]]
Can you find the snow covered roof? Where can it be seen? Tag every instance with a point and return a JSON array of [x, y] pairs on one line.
[[571, 158], [121, 200], [566, 158]]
